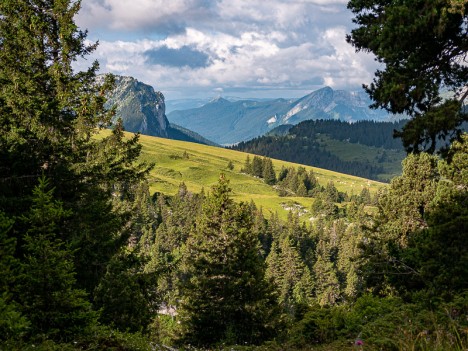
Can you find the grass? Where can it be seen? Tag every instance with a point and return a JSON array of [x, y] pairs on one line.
[[390, 160], [199, 167]]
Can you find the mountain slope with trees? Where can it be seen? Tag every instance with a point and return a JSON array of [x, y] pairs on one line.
[[365, 148]]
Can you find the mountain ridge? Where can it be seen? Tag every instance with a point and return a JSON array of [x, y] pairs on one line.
[[229, 122]]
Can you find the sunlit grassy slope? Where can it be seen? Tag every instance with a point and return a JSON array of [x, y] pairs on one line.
[[199, 166], [391, 162]]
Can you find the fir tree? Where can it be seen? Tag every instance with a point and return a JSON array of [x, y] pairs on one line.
[[268, 173], [48, 116], [226, 297], [326, 281], [294, 281], [125, 295], [247, 166], [282, 174], [257, 167], [47, 292]]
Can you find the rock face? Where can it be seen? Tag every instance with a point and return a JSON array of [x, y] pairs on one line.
[[141, 108]]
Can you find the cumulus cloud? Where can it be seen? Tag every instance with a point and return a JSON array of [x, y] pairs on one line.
[[228, 45], [143, 15]]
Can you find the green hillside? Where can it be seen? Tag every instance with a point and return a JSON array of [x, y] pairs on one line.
[[365, 149], [199, 166], [389, 159]]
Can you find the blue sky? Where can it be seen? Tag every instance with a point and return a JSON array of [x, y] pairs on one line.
[[244, 48]]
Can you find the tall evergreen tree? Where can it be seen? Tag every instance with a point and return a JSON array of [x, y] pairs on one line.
[[268, 174], [46, 287], [257, 166], [326, 280], [437, 252], [247, 166], [226, 297], [290, 275], [48, 116]]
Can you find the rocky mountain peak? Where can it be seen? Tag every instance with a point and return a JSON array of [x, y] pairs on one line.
[[141, 108]]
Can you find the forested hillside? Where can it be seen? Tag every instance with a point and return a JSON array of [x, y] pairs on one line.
[[365, 148], [92, 259]]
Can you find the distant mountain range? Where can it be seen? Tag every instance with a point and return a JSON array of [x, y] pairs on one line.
[[229, 122], [142, 109], [187, 104]]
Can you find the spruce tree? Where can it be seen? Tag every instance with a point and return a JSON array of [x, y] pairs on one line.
[[326, 279], [226, 297], [247, 166], [46, 285], [291, 276], [268, 173], [257, 167], [48, 117]]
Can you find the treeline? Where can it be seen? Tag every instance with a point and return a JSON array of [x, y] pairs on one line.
[[301, 144], [297, 181], [370, 133]]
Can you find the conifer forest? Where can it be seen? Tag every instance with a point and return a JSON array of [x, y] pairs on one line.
[[90, 259]]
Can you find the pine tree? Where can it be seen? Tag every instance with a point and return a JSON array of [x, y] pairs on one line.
[[48, 116], [282, 174], [349, 262], [424, 57], [257, 167], [365, 196], [125, 295], [248, 166], [326, 280], [268, 174], [226, 297], [436, 250], [331, 192], [301, 190], [47, 292], [295, 282]]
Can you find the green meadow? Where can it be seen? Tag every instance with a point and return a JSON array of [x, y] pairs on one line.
[[390, 160], [199, 167]]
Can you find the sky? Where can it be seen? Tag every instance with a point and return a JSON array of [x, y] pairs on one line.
[[243, 48]]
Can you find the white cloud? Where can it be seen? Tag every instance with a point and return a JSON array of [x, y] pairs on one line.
[[249, 44], [166, 16]]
